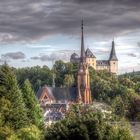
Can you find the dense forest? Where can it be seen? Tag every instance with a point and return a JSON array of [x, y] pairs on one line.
[[20, 113], [122, 92], [21, 116]]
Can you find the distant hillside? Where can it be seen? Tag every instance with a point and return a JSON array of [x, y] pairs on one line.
[[134, 73]]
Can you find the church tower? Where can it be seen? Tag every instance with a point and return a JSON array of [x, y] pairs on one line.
[[83, 80], [113, 60]]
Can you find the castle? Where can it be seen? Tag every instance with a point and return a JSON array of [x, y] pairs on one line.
[[110, 65], [81, 93]]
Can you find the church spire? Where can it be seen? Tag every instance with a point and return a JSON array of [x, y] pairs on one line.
[[82, 44], [113, 53]]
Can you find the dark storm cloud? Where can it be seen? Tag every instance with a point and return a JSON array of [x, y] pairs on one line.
[[42, 58], [61, 55], [132, 54], [27, 20], [13, 55], [102, 52]]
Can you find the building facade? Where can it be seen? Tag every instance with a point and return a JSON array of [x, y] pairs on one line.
[[110, 65], [83, 79], [79, 94]]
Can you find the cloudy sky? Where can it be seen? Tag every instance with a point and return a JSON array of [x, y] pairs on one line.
[[37, 32]]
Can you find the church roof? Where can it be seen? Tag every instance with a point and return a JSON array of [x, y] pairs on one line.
[[59, 94], [113, 53], [89, 53], [102, 63]]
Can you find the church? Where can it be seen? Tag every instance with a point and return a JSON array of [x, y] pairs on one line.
[[111, 65], [81, 93]]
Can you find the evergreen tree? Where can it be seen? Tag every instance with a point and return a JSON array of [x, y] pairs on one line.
[[34, 111], [11, 94]]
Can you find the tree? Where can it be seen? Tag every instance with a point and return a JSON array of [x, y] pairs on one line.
[[30, 132], [38, 76], [89, 125], [60, 71], [137, 87], [5, 111], [118, 106], [69, 80], [127, 82], [11, 94], [34, 111], [134, 109]]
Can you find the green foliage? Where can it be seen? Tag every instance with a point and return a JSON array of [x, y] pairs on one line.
[[116, 91], [137, 87], [6, 133], [38, 76], [31, 132], [68, 80], [134, 109], [105, 87], [5, 110], [118, 133], [34, 111], [127, 82], [14, 111], [86, 126], [118, 106], [65, 73]]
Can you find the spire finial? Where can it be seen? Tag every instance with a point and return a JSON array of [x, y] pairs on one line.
[[113, 52], [82, 43], [82, 23]]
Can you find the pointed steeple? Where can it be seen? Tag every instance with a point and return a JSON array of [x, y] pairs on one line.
[[82, 44], [113, 53]]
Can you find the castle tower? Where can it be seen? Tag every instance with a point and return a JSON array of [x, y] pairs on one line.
[[90, 58], [113, 60], [83, 80]]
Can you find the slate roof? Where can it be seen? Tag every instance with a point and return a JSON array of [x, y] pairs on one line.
[[59, 94], [102, 62], [113, 53], [89, 53]]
